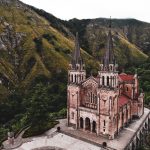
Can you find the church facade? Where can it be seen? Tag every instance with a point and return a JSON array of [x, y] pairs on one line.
[[104, 104]]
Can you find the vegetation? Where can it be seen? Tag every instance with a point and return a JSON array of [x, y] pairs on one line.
[[35, 130], [143, 72], [36, 48]]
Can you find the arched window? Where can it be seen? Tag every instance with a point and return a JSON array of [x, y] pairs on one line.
[[127, 88], [95, 99], [107, 81], [91, 97], [104, 123], [75, 78], [83, 67], [110, 98], [88, 98], [113, 101], [82, 77], [72, 78], [115, 81], [103, 80], [111, 81]]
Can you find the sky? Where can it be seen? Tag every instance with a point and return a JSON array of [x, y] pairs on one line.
[[83, 9]]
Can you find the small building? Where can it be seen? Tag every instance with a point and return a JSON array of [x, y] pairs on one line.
[[106, 103]]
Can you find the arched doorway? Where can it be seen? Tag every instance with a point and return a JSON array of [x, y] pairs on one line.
[[81, 123], [94, 127], [87, 124]]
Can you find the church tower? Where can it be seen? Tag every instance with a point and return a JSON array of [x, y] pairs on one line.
[[76, 74], [108, 69], [108, 82]]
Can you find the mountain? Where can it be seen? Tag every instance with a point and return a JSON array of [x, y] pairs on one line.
[[135, 31], [35, 43], [33, 55], [131, 37], [30, 46], [36, 48]]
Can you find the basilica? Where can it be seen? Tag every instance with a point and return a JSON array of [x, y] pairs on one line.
[[104, 104]]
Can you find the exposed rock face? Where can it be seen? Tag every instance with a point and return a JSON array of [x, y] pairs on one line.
[[10, 42], [8, 2], [34, 43], [2, 46], [16, 3], [134, 31], [9, 38]]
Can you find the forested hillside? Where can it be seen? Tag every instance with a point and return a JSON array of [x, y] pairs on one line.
[[35, 50], [34, 56]]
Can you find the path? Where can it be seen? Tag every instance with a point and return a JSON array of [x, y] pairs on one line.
[[17, 141]]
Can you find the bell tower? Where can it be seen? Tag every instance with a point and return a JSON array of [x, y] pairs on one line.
[[108, 83], [76, 74]]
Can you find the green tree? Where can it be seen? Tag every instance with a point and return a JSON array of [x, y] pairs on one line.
[[37, 113]]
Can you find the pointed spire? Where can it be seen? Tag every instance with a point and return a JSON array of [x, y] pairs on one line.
[[110, 22], [77, 49], [76, 56], [109, 54]]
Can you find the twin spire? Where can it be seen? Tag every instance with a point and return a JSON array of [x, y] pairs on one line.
[[107, 59]]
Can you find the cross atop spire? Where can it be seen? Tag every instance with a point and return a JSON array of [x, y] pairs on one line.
[[76, 56]]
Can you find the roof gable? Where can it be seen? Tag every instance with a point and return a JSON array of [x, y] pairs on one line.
[[89, 81]]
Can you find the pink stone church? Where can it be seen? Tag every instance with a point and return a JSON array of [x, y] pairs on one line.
[[104, 104]]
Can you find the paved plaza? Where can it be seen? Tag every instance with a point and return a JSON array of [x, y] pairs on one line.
[[58, 142], [72, 139]]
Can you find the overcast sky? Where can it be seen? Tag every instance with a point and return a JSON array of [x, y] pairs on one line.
[[83, 9]]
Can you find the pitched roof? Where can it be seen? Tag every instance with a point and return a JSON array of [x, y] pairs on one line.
[[126, 77], [123, 100]]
